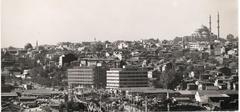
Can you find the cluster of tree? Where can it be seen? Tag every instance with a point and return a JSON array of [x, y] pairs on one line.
[[68, 58], [169, 78], [48, 76], [28, 46], [71, 106]]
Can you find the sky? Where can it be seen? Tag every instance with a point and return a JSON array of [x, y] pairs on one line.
[[53, 21]]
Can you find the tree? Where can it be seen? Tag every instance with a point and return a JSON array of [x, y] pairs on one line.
[[177, 39], [69, 58], [122, 63], [226, 71], [166, 79], [164, 42], [137, 46], [11, 47], [28, 46], [98, 47], [230, 37]]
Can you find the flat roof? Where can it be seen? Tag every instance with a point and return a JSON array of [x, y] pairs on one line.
[[26, 97], [229, 92], [182, 98], [149, 90], [187, 92], [216, 95], [40, 92], [133, 88], [9, 94], [210, 92]]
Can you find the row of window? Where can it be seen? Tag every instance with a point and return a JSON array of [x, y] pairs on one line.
[[126, 75], [127, 83], [120, 72], [81, 76], [77, 78], [136, 79], [80, 80], [76, 82], [80, 72], [145, 85]]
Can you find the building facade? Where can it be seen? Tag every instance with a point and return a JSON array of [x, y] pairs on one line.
[[87, 77], [127, 77]]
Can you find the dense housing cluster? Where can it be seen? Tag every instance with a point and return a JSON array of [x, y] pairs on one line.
[[197, 72]]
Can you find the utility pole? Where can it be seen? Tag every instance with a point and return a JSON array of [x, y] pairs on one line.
[[146, 108], [168, 105]]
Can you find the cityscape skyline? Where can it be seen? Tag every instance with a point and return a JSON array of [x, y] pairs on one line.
[[58, 21], [125, 55]]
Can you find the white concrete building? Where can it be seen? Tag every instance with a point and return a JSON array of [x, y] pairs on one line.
[[127, 77]]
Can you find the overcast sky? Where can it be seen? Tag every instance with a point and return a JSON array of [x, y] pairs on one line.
[[53, 21]]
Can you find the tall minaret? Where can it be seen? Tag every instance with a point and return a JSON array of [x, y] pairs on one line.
[[210, 24], [218, 26], [36, 47]]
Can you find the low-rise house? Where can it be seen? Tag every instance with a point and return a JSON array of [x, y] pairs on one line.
[[233, 94], [188, 93], [192, 86], [28, 101], [182, 99], [220, 82], [223, 86], [235, 86], [211, 97], [118, 54], [122, 45], [205, 76], [39, 93], [186, 81], [5, 96], [211, 88], [27, 86], [231, 52], [203, 84]]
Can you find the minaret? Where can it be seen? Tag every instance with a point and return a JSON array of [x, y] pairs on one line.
[[210, 24], [36, 45], [218, 26]]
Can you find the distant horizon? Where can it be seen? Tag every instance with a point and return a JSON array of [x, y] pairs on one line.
[[51, 22], [39, 44]]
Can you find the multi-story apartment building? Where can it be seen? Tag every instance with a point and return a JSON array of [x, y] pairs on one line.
[[88, 77], [127, 76]]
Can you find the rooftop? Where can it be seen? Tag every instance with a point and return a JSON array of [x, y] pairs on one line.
[[187, 92], [9, 94], [40, 92]]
